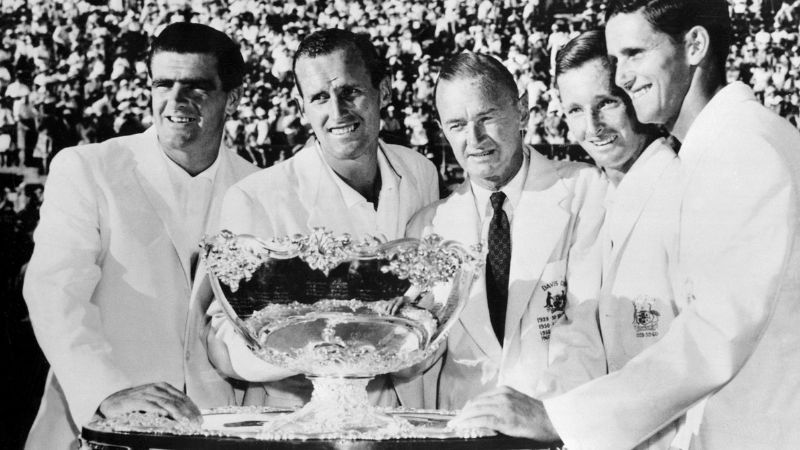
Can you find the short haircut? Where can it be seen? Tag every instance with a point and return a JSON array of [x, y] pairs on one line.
[[325, 42], [490, 73], [188, 37], [676, 17], [586, 47]]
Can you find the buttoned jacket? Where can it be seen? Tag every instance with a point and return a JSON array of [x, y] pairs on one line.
[[108, 287], [637, 304], [737, 264], [554, 252]]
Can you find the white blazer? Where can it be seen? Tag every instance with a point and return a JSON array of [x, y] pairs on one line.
[[738, 272], [636, 304], [297, 196], [107, 288], [554, 235]]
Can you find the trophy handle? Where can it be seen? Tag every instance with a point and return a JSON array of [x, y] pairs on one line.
[[240, 324]]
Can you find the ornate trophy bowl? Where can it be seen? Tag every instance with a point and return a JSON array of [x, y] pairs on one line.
[[341, 312]]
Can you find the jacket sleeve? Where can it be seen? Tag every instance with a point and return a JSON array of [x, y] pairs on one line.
[[739, 217], [59, 283], [576, 353], [228, 350]]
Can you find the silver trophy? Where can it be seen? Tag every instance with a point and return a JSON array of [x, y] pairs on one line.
[[341, 311]]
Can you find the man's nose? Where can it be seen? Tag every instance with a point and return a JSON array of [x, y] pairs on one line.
[[475, 133], [179, 93], [594, 123], [623, 76], [338, 106]]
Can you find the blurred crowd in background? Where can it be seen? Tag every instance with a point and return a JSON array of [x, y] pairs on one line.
[[74, 72]]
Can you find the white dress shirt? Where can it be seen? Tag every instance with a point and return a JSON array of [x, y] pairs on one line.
[[369, 220], [483, 204], [190, 200]]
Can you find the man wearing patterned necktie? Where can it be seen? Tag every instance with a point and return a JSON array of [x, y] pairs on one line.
[[729, 360], [538, 220]]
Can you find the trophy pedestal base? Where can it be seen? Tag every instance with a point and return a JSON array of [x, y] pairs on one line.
[[339, 409]]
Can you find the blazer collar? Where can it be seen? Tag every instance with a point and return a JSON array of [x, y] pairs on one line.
[[538, 229], [458, 219], [458, 216], [634, 191], [319, 193], [317, 190], [151, 172]]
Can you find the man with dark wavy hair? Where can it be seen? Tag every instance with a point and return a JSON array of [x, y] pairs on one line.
[[109, 283], [730, 357]]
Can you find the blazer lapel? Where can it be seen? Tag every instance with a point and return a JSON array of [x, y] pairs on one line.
[[318, 192], [402, 195], [630, 202], [226, 176], [458, 220], [151, 172], [538, 227]]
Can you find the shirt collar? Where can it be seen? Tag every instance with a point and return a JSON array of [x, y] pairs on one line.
[[389, 178], [512, 189], [178, 173]]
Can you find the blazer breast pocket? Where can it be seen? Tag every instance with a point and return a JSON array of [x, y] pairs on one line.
[[549, 300]]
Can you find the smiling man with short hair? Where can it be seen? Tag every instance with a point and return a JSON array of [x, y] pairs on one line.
[[109, 283], [726, 369], [345, 179]]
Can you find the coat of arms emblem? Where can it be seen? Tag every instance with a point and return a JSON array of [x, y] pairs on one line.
[[556, 303], [645, 317]]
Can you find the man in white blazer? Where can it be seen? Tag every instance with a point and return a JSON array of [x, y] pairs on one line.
[[109, 283], [554, 212], [636, 304], [732, 351], [344, 179]]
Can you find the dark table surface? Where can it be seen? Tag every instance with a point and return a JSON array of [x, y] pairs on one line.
[[105, 440]]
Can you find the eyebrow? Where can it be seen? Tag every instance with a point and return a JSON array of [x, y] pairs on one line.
[[480, 114], [628, 51], [201, 82], [337, 88]]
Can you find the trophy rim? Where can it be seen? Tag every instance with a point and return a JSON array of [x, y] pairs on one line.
[[469, 260]]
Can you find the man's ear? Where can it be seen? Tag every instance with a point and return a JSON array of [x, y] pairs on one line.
[[385, 92], [697, 45], [297, 97], [299, 102], [234, 96], [522, 106]]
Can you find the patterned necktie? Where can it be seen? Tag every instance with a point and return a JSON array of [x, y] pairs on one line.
[[498, 262]]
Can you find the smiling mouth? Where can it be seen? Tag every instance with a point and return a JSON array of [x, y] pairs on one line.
[[606, 141], [641, 91], [343, 130], [180, 120], [480, 154]]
